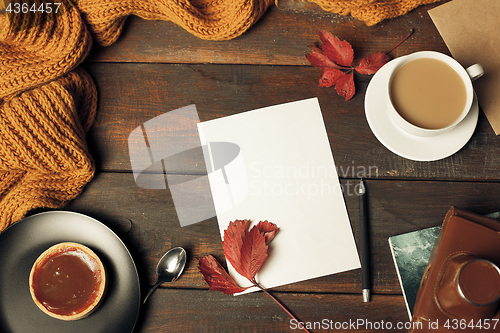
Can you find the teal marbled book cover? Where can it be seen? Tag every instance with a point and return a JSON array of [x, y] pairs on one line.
[[411, 252]]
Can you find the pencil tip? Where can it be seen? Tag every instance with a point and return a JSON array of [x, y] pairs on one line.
[[366, 295], [361, 187]]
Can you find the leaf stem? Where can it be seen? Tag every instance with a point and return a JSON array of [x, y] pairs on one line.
[[401, 42], [282, 306]]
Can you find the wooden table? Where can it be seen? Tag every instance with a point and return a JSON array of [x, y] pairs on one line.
[[156, 67]]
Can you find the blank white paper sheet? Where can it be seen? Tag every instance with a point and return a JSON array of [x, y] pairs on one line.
[[280, 168]]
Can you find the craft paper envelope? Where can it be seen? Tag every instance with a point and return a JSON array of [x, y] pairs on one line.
[[471, 30], [284, 173]]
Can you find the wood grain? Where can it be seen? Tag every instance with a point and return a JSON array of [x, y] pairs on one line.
[[130, 94], [280, 37], [147, 222], [156, 67], [218, 313]]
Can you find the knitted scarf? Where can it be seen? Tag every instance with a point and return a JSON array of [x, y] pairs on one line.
[[48, 103]]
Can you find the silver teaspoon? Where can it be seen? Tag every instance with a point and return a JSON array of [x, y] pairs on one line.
[[169, 268]]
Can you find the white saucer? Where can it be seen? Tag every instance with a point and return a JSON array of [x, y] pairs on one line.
[[402, 143]]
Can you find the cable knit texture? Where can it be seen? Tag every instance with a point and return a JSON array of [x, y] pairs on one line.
[[218, 19], [48, 103], [206, 19], [371, 11]]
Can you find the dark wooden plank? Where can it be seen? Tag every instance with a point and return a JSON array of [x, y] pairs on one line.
[[147, 222], [280, 37], [172, 310], [130, 94]]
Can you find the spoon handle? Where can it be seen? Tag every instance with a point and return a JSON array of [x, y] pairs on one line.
[[157, 284]]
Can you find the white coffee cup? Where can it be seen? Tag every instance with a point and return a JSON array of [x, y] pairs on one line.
[[467, 75]]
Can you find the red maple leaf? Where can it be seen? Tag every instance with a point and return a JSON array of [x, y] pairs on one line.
[[268, 229], [345, 85], [246, 251], [329, 77], [319, 59], [335, 60], [217, 277], [253, 253], [233, 243], [340, 52], [372, 63]]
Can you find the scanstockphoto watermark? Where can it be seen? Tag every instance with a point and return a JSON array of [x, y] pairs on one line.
[[489, 325], [308, 179], [354, 325]]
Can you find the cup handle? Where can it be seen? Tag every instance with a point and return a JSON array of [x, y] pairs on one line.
[[475, 71]]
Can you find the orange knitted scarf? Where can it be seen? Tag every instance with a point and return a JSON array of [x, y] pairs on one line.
[[371, 11], [47, 103]]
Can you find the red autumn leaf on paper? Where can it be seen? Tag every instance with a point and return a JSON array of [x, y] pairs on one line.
[[345, 85], [253, 253], [268, 229], [217, 277], [335, 60], [338, 51], [233, 242], [245, 250], [372, 63]]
